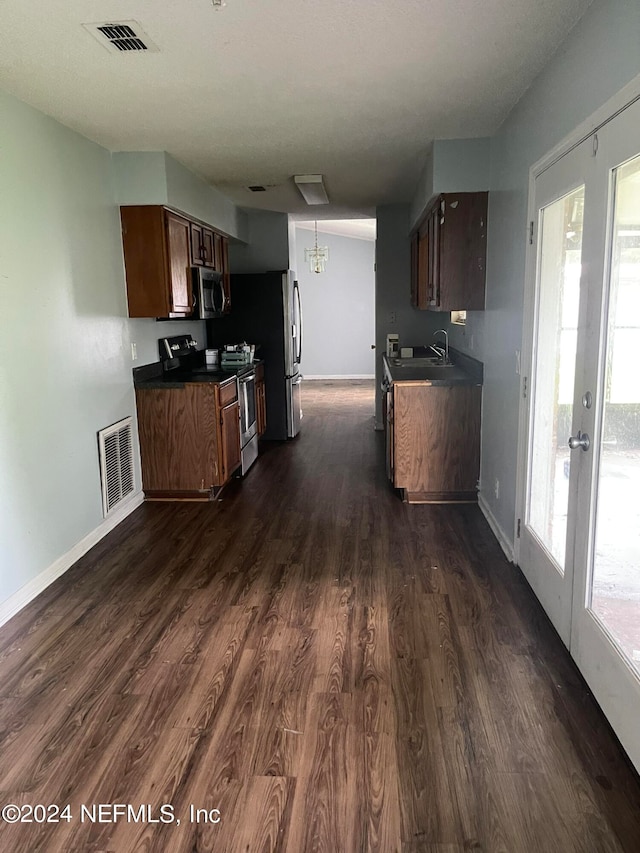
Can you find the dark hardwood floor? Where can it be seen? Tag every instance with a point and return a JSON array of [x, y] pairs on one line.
[[332, 670]]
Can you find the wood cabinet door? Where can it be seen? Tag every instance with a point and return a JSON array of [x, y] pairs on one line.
[[217, 252], [422, 294], [463, 251], [177, 431], [208, 248], [178, 258], [437, 438], [145, 260], [389, 436], [226, 274], [414, 269], [435, 284], [196, 244], [230, 444]]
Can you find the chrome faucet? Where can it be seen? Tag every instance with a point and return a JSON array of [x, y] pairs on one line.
[[444, 354]]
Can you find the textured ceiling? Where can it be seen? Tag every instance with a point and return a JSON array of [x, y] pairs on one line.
[[260, 90]]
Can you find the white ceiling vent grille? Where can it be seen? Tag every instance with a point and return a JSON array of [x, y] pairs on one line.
[[122, 37], [116, 464]]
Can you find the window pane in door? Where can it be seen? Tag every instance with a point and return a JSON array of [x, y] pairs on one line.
[[559, 259], [615, 582]]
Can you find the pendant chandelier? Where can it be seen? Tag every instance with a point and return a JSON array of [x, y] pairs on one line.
[[318, 256]]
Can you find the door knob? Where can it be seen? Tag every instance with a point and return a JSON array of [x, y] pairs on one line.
[[581, 440]]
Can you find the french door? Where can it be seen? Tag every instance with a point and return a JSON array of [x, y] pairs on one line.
[[580, 530]]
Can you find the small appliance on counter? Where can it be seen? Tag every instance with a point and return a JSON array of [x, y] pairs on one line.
[[236, 355]]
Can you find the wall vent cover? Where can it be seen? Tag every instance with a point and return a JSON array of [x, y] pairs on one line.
[[122, 37], [115, 445]]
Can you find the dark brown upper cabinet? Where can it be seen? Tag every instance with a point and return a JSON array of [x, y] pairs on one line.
[[156, 244], [203, 246], [448, 254], [159, 247]]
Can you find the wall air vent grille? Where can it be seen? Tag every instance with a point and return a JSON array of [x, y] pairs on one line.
[[115, 446], [256, 188], [122, 37]]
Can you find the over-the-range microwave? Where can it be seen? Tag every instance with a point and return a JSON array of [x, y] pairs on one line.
[[208, 292]]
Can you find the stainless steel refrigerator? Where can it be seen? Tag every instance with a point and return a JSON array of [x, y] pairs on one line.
[[266, 311]]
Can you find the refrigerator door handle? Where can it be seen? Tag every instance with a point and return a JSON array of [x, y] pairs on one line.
[[296, 290]]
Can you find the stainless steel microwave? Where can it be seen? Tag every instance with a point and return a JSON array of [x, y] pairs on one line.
[[208, 292]]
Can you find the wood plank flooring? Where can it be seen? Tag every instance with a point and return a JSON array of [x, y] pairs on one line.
[[332, 670]]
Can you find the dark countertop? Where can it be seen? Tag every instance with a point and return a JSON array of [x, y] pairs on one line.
[[153, 376], [464, 370]]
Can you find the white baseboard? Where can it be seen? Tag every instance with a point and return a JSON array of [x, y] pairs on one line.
[[340, 376], [36, 585], [498, 532]]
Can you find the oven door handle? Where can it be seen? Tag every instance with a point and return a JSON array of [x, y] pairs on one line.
[[244, 382]]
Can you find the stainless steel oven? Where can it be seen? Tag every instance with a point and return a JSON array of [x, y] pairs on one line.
[[248, 421]]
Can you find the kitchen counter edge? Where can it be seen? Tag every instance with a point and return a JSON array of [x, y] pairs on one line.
[[468, 371], [152, 376]]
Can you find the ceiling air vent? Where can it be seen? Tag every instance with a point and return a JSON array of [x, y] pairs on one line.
[[122, 37], [256, 188]]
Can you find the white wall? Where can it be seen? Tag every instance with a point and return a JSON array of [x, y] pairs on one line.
[[598, 58], [338, 307], [188, 192], [267, 244], [154, 177], [452, 166], [65, 369], [146, 333]]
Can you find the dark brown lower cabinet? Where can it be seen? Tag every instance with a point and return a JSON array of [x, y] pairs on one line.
[[189, 438], [433, 438], [230, 440]]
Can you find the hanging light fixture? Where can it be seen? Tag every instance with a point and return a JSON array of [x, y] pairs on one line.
[[318, 256]]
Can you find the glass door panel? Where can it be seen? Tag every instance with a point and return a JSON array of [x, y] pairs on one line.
[[559, 268], [615, 579]]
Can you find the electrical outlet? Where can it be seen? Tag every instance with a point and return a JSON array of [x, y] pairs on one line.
[[134, 352], [496, 489]]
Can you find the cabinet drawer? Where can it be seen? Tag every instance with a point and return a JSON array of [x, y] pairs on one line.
[[227, 393]]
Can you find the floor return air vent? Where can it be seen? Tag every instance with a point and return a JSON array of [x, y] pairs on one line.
[[115, 446]]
